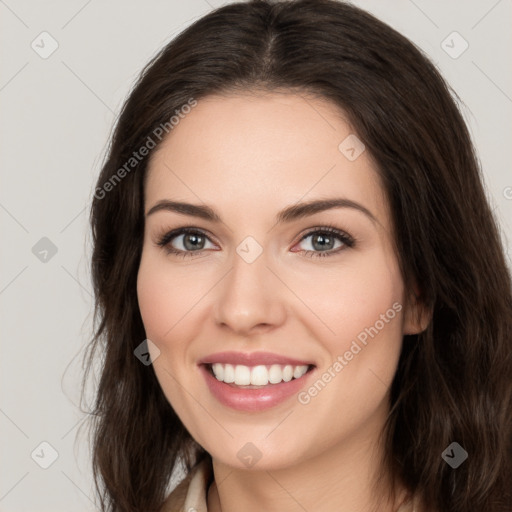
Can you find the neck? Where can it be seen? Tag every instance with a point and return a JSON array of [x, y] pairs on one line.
[[342, 478]]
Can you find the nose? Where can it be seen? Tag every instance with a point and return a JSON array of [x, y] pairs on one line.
[[251, 299]]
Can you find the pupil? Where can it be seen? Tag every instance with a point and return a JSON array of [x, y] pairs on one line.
[[196, 241], [326, 241]]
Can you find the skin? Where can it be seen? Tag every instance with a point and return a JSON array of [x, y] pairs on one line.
[[248, 156]]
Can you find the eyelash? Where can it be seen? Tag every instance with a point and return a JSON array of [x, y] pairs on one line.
[[347, 240]]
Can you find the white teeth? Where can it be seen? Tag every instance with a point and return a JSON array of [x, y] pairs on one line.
[[297, 372], [275, 374], [242, 375], [260, 375], [229, 373], [288, 373], [218, 371]]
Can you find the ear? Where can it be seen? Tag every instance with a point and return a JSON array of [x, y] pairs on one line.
[[416, 315]]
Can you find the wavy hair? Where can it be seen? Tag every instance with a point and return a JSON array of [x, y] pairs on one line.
[[453, 381]]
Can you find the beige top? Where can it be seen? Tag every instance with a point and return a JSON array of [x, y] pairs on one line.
[[190, 494]]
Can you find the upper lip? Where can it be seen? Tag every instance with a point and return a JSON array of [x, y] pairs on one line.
[[251, 359]]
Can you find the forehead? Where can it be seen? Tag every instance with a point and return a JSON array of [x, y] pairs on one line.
[[262, 149]]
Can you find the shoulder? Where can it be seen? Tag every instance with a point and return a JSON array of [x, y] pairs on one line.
[[176, 499], [192, 489]]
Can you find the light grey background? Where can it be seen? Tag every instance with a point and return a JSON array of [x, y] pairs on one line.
[[57, 114]]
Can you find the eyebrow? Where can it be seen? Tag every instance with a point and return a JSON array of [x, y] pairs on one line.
[[288, 214]]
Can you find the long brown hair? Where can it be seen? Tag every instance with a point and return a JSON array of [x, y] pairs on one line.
[[453, 382]]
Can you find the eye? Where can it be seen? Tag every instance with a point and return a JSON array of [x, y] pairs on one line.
[[188, 241], [323, 242], [185, 242]]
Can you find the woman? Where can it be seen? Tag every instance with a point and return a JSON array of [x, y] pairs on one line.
[[342, 338]]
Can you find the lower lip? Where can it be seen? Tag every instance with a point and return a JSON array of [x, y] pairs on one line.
[[245, 399]]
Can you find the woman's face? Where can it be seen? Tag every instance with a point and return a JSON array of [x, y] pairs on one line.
[[266, 295]]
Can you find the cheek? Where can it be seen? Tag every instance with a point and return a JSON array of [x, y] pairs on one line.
[[155, 302], [166, 306], [371, 308], [360, 305], [170, 306], [165, 298], [352, 297], [164, 301]]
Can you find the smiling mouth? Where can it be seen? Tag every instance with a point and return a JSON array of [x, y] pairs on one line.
[[259, 376]]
